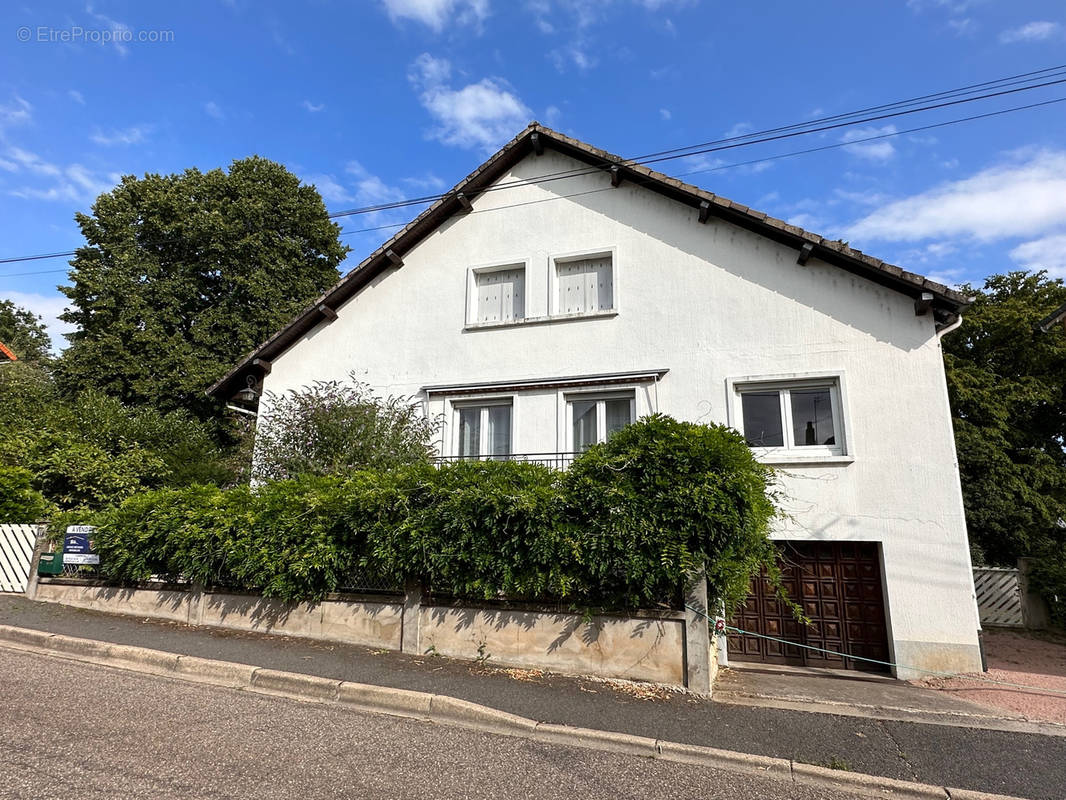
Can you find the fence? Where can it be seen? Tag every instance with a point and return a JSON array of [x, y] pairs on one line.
[[554, 460], [999, 596], [16, 553]]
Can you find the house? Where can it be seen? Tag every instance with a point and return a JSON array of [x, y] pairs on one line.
[[1056, 317], [6, 354], [559, 292]]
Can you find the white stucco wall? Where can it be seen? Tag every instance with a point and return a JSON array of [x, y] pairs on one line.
[[710, 303]]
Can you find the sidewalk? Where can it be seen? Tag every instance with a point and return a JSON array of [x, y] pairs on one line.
[[1022, 764]]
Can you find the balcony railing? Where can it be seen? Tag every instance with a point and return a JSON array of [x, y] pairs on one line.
[[554, 460]]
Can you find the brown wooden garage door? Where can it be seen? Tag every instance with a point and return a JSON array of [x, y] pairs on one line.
[[838, 585]]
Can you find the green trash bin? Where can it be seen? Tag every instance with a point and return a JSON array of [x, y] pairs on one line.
[[50, 564]]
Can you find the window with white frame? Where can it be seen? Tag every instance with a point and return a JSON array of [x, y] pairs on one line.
[[593, 418], [483, 430], [800, 417], [585, 286], [500, 294]]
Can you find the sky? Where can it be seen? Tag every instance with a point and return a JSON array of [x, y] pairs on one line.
[[381, 100]]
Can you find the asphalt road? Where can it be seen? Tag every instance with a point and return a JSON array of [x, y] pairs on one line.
[[1025, 765], [70, 729]]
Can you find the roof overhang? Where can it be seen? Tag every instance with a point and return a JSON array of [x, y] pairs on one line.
[[1056, 317], [527, 384], [929, 296]]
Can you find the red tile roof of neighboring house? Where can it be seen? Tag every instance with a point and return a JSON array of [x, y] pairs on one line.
[[945, 303], [6, 354]]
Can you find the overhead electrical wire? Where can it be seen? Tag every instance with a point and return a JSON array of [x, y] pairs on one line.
[[1049, 76]]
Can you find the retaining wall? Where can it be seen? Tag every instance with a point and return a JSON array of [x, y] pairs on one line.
[[656, 647]]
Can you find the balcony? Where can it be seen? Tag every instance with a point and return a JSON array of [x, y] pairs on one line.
[[553, 460]]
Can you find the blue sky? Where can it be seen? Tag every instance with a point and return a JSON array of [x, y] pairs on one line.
[[385, 99]]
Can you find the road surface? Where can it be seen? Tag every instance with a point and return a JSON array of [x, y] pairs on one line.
[[70, 729]]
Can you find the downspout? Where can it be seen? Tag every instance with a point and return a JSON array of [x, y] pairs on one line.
[[940, 334], [969, 559]]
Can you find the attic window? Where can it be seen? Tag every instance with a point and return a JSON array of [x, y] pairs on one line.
[[500, 294], [585, 285]]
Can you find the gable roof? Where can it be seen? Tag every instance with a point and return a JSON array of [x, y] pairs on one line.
[[1054, 318], [6, 354], [945, 303]]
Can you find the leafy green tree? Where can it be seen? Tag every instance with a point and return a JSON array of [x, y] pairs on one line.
[[332, 428], [183, 274], [20, 503], [1007, 383], [92, 452], [24, 333]]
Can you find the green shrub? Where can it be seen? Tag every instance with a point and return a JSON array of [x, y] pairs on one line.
[[629, 523], [19, 502], [333, 428], [1047, 576], [492, 528], [661, 500]]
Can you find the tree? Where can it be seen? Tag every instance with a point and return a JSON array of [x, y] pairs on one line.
[[92, 452], [183, 274], [24, 333], [1007, 383], [332, 428]]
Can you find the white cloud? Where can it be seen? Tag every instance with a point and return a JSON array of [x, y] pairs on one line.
[[314, 109], [120, 30], [1031, 32], [76, 96], [133, 135], [665, 114], [806, 221], [331, 191], [214, 110], [874, 151], [578, 52], [17, 112], [438, 14], [424, 183], [484, 114], [1024, 196], [71, 184], [1047, 253], [966, 26], [31, 161], [48, 307]]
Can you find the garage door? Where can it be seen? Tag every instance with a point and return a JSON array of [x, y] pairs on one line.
[[838, 585]]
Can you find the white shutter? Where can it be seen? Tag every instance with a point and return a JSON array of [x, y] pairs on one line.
[[501, 295], [585, 286]]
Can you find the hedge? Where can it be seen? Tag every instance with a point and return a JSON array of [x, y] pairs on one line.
[[624, 527]]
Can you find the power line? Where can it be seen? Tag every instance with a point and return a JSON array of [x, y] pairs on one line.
[[947, 98], [769, 135], [776, 157]]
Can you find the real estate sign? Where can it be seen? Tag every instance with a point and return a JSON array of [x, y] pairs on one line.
[[78, 545]]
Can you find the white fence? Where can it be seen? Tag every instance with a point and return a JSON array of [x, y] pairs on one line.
[[999, 596], [16, 553]]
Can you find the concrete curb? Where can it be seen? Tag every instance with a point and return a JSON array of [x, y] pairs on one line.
[[446, 710]]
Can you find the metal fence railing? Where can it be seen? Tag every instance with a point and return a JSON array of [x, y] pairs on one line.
[[554, 460]]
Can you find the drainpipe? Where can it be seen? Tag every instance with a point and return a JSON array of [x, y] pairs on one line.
[[945, 331]]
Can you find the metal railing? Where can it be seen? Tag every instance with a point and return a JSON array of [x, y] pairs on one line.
[[554, 460]]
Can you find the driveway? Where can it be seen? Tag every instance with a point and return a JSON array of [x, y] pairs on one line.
[[1031, 658]]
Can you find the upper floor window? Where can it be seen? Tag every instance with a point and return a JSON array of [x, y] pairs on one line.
[[594, 418], [585, 285], [484, 430], [500, 294], [803, 417]]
